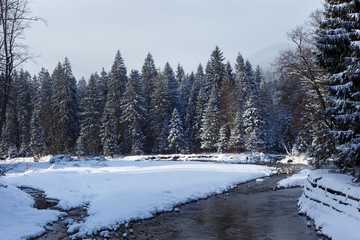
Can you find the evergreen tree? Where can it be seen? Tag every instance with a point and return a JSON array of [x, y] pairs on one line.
[[148, 79], [116, 88], [253, 123], [158, 113], [88, 142], [163, 142], [210, 124], [172, 89], [65, 108], [45, 109], [24, 112], [223, 141], [134, 113], [339, 54], [176, 133], [215, 69], [237, 134], [37, 142]]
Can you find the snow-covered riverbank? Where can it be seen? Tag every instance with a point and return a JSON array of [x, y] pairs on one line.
[[114, 191]]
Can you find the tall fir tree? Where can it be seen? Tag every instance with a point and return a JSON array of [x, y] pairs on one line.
[[24, 112], [88, 142], [176, 133], [148, 79], [112, 111], [339, 54], [134, 113], [210, 124], [65, 109]]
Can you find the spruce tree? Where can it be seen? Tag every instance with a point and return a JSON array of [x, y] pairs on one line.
[[210, 124], [237, 134], [176, 133], [45, 109], [134, 113], [65, 109], [88, 142], [24, 112], [37, 142], [158, 114], [339, 54], [223, 141], [112, 111], [148, 79]]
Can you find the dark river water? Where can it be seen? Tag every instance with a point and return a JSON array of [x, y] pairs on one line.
[[251, 211]]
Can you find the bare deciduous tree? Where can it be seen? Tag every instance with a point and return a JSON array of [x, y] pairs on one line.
[[14, 20]]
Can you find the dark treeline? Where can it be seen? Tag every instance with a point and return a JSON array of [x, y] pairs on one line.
[[217, 109]]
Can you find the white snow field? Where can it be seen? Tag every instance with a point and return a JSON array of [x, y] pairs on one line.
[[114, 192], [333, 202]]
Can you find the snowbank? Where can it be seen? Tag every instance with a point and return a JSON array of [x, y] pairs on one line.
[[296, 159], [119, 191], [18, 218], [333, 202], [224, 158], [296, 180]]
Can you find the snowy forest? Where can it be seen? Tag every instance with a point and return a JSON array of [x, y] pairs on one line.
[[310, 104]]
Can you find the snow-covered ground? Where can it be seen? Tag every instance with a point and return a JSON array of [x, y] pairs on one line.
[[296, 158], [332, 200], [296, 180], [114, 192]]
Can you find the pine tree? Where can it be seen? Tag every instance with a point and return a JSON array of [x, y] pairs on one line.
[[88, 142], [210, 124], [134, 113], [253, 123], [339, 54], [45, 109], [215, 69], [116, 88], [158, 114], [65, 108], [237, 134], [37, 142], [172, 89], [24, 112], [148, 79], [163, 142], [223, 141], [176, 133]]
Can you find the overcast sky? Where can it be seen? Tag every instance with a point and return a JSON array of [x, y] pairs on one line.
[[89, 32]]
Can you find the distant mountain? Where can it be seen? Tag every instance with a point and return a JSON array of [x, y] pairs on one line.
[[265, 57]]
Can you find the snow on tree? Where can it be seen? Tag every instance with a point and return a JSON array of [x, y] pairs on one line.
[[65, 109], [176, 133], [339, 53], [134, 113], [37, 142], [158, 114], [210, 123], [108, 134], [215, 69], [223, 141], [253, 123], [24, 112], [237, 134], [148, 79], [88, 142], [172, 89], [116, 88], [45, 108], [163, 142]]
